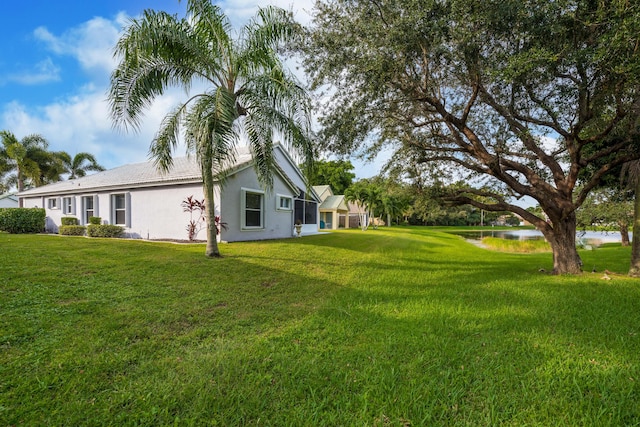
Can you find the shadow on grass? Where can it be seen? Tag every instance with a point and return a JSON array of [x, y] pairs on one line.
[[400, 330]]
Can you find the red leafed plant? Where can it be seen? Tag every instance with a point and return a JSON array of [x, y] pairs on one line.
[[193, 206], [219, 224]]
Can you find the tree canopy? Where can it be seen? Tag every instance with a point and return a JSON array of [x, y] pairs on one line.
[[78, 165], [28, 163], [522, 95], [27, 160], [336, 173]]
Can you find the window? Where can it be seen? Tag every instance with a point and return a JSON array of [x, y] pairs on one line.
[[87, 208], [120, 209], [68, 206], [284, 203], [252, 209], [53, 203]]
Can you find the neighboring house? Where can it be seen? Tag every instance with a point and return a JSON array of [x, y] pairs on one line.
[[334, 210], [355, 215], [9, 200], [147, 203]]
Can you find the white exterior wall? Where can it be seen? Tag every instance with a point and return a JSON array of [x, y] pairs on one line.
[[157, 213], [284, 161], [153, 212], [278, 223]]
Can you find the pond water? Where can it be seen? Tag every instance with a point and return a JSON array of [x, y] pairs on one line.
[[590, 237]]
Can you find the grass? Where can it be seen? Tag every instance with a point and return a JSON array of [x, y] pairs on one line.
[[389, 327], [518, 246]]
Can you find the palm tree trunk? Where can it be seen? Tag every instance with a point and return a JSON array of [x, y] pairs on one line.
[[20, 185], [211, 250], [634, 270]]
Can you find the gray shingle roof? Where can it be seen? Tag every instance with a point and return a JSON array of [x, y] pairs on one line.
[[184, 170]]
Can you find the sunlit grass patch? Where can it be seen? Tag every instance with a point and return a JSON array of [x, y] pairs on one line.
[[517, 246]]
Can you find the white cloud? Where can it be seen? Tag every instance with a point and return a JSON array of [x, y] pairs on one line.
[[43, 72], [90, 43], [82, 123], [240, 11]]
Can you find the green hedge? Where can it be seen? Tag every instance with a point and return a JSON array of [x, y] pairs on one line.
[[69, 220], [94, 230], [72, 230], [22, 220], [95, 220]]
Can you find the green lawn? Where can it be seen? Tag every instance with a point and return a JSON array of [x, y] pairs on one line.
[[388, 327]]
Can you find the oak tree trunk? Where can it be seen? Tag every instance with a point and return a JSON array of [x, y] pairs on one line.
[[624, 234], [634, 270], [562, 239]]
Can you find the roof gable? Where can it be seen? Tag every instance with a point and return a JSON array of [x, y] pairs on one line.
[[334, 203], [323, 191], [10, 196]]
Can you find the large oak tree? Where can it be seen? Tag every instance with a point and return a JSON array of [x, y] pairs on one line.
[[519, 93]]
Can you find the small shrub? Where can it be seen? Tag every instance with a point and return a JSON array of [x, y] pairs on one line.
[[21, 220], [69, 220], [95, 220], [72, 230], [104, 230]]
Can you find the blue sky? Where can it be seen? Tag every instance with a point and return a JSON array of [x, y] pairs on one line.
[[55, 62]]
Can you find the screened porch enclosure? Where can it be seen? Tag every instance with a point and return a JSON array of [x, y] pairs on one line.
[[305, 211]]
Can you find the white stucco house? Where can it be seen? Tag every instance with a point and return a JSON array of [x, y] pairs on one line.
[[8, 200], [148, 204]]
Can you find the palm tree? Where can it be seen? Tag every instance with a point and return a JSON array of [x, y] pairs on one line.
[[248, 90], [394, 206], [79, 165], [358, 194], [51, 165], [24, 158], [5, 168]]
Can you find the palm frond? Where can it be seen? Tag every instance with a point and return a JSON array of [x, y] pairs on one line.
[[212, 27], [210, 130], [268, 31], [278, 101], [156, 52], [259, 131], [81, 163], [8, 138], [167, 138], [35, 141]]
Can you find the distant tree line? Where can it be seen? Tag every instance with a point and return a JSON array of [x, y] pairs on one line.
[[28, 162], [392, 200]]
